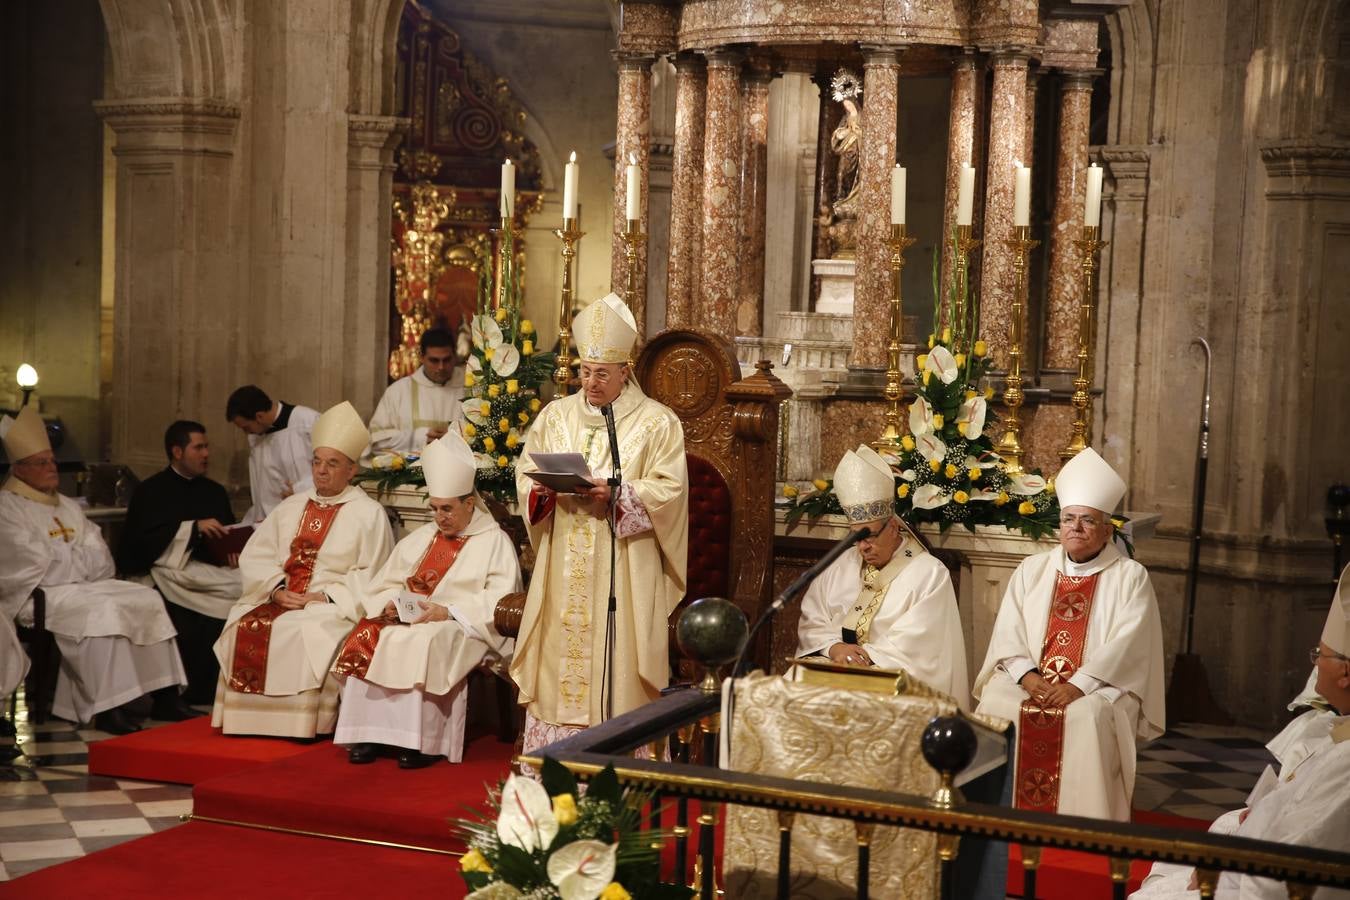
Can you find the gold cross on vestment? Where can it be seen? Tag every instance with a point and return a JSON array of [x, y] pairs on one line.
[[67, 534]]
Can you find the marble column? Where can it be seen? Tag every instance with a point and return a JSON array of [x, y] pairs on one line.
[[1060, 349], [719, 281], [1029, 141], [961, 148], [754, 175], [686, 190], [632, 142], [1007, 134], [876, 157]]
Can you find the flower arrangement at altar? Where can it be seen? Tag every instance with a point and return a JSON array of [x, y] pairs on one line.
[[548, 841]]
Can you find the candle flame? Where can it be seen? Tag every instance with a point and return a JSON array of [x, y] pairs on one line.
[[574, 156], [632, 158], [1017, 163]]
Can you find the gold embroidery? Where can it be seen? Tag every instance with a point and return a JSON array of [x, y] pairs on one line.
[[67, 534]]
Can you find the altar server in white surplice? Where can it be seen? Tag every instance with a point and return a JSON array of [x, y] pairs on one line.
[[1076, 658], [278, 447], [403, 685], [116, 640], [304, 572], [423, 406], [886, 601], [1308, 802]]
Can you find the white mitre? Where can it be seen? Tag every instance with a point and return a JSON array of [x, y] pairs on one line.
[[865, 485], [449, 467], [1087, 480], [24, 435], [340, 428], [1336, 633], [605, 331]]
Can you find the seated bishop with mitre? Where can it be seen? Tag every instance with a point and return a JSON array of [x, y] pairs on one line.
[[304, 571], [403, 671]]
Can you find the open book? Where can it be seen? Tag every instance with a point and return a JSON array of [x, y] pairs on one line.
[[565, 473]]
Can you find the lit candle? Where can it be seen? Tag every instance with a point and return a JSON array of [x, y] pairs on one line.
[[898, 195], [633, 195], [570, 188], [1092, 209], [1022, 196], [508, 190], [965, 194]]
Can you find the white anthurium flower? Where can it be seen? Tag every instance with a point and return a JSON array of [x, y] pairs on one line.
[[920, 417], [582, 869], [942, 364], [930, 496], [987, 459], [909, 475], [890, 457], [1026, 485], [486, 332], [526, 820], [970, 418], [984, 495], [475, 364], [506, 359], [930, 446], [470, 408], [383, 461]]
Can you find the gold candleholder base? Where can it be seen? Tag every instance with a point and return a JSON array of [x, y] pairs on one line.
[[569, 234], [961, 327], [632, 236], [1009, 446], [1088, 246], [898, 242]]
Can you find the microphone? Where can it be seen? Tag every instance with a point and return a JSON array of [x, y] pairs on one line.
[[608, 411]]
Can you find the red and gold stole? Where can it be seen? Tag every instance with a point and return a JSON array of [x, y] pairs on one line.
[[1040, 732], [248, 675], [359, 647]]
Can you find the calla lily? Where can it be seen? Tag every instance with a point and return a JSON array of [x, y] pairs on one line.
[[507, 359], [526, 820], [970, 418], [984, 495], [930, 496], [920, 417], [930, 446], [909, 474], [486, 332], [943, 365], [1026, 485], [582, 869]]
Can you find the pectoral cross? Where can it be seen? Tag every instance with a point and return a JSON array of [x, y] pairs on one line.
[[67, 534]]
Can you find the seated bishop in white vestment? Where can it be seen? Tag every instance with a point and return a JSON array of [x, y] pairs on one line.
[[423, 406], [115, 638], [304, 572], [1076, 658], [404, 682], [1308, 802], [886, 601], [13, 661]]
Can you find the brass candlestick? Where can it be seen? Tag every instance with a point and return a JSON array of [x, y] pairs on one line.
[[632, 236], [569, 234], [964, 244], [1010, 445], [1088, 246], [898, 242], [508, 258]]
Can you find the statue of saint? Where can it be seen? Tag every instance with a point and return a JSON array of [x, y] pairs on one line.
[[840, 217]]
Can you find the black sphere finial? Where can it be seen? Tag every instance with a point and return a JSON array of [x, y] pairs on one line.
[[948, 744]]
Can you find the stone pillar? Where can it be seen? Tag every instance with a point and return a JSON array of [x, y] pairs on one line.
[[1007, 132], [1066, 225], [176, 319], [827, 167], [876, 158], [1029, 141], [754, 175], [961, 149], [632, 141], [719, 281], [686, 190]]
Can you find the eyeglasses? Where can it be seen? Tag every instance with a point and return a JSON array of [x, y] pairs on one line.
[[1087, 520], [873, 535], [1316, 653]]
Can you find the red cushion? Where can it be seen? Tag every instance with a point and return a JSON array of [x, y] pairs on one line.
[[709, 570]]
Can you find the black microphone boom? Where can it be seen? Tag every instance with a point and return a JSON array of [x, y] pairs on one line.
[[608, 411]]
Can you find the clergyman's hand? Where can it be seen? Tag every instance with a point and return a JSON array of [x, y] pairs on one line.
[[211, 528], [1061, 695], [288, 599], [436, 433], [390, 610], [849, 655], [431, 612]]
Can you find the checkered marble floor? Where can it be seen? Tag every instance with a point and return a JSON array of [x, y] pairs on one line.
[[1200, 771]]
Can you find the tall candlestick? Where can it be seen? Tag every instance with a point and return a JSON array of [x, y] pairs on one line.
[[570, 188], [898, 195], [1092, 208], [1022, 196], [508, 208], [965, 195], [633, 195]]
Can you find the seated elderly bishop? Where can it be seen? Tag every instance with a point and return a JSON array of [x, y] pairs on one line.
[[304, 572], [403, 677], [116, 640], [1076, 657], [886, 601]]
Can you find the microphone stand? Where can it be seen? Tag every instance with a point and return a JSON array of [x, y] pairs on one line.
[[615, 481]]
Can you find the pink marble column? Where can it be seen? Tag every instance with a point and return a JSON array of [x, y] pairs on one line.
[[754, 174], [632, 139], [719, 281], [1007, 132], [1061, 315], [686, 190], [876, 157], [961, 148], [1029, 141]]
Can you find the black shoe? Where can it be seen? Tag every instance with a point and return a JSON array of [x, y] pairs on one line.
[[139, 709], [360, 754], [412, 759], [172, 709], [114, 721], [10, 752]]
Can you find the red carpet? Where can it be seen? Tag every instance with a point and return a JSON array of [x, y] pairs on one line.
[[201, 860], [184, 753], [319, 791]]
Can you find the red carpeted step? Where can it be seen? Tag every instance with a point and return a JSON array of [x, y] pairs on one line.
[[185, 753], [206, 861], [319, 791]]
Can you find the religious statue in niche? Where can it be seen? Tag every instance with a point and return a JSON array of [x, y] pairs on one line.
[[840, 216]]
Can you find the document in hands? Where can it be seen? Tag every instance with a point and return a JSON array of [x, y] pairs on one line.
[[408, 609], [565, 473]]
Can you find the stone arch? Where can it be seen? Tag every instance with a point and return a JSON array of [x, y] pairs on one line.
[[1302, 62], [373, 56], [1131, 32], [202, 40]]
